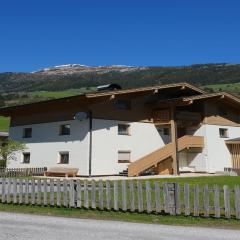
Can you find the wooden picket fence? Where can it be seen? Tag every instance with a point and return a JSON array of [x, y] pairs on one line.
[[22, 172], [125, 195]]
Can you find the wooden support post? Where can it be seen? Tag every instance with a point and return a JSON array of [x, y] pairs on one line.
[[174, 142]]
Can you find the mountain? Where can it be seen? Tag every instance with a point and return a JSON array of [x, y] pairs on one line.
[[74, 76], [72, 79]]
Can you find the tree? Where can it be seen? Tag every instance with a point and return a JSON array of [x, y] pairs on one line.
[[8, 150]]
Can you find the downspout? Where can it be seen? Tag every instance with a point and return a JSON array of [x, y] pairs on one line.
[[90, 144]]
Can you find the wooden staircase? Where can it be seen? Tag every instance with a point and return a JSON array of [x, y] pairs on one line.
[[161, 154]]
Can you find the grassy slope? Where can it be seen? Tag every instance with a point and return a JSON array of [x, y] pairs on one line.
[[232, 88]]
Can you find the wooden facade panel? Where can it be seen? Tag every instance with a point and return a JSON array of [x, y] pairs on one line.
[[215, 115], [235, 154]]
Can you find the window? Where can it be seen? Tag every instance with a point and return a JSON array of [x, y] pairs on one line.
[[26, 158], [123, 129], [124, 156], [166, 131], [64, 157], [223, 132], [64, 129], [27, 132], [123, 104]]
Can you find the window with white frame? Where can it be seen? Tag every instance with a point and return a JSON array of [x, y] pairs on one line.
[[26, 157], [124, 156], [63, 157], [64, 129], [223, 132], [123, 129], [27, 132]]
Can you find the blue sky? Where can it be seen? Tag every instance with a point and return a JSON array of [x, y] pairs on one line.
[[42, 33]]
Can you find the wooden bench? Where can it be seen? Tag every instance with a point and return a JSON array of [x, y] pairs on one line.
[[61, 171]]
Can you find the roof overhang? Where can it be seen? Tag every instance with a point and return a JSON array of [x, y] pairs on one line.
[[86, 99]]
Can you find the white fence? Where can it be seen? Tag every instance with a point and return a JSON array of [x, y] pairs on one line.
[[134, 196]]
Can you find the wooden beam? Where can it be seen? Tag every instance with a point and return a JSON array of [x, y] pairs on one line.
[[174, 142]]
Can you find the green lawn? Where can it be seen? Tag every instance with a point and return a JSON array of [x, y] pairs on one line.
[[4, 123]]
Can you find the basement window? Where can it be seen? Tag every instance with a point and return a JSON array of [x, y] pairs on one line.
[[63, 157], [27, 132], [64, 129], [124, 156], [123, 129], [26, 158], [223, 132]]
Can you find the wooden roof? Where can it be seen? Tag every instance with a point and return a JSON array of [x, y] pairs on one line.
[[88, 98]]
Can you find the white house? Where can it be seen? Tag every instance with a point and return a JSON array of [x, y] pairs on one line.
[[162, 129]]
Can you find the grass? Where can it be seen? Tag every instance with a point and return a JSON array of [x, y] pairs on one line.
[[228, 87], [4, 123], [201, 181], [60, 94], [121, 216]]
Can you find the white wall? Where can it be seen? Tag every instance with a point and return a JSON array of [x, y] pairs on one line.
[[143, 139], [45, 145], [215, 155], [218, 152], [191, 160]]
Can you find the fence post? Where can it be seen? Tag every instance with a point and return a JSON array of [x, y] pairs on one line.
[[86, 203], [100, 194], [140, 196], [93, 194], [131, 196], [206, 201], [186, 199], [148, 197], [157, 197], [3, 190], [177, 199], [39, 192], [33, 191], [9, 184], [71, 194], [108, 195], [79, 194], [20, 191], [115, 193], [196, 201], [26, 192], [14, 190], [236, 201], [58, 193], [45, 192], [216, 201], [226, 201], [165, 197], [65, 193], [124, 196]]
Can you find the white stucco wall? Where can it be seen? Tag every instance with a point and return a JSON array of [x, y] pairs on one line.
[[191, 160], [217, 151], [215, 155], [143, 139], [45, 145]]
